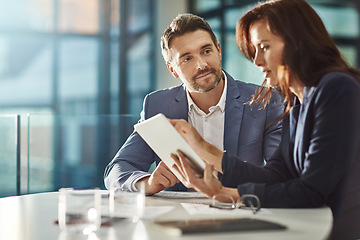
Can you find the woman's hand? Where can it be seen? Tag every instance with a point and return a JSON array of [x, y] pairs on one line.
[[208, 152], [188, 132], [208, 184]]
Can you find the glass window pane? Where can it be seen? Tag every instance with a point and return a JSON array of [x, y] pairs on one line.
[[78, 74], [349, 53], [342, 21], [8, 155], [139, 72], [18, 15], [215, 25], [79, 16], [41, 153], [238, 66], [73, 150], [115, 18], [206, 5], [25, 71], [114, 77]]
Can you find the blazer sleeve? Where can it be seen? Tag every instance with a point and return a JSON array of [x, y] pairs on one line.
[[132, 162]]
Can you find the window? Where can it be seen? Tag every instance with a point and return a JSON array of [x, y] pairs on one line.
[[223, 20], [76, 66]]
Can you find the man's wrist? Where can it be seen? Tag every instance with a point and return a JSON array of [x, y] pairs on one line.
[[137, 182]]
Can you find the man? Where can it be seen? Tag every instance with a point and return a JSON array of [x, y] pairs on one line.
[[209, 98]]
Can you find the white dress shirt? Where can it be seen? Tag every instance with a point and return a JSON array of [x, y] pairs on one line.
[[210, 126]]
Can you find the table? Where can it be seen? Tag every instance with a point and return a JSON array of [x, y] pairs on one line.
[[33, 216]]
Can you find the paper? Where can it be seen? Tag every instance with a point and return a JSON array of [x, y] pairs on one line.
[[150, 212], [179, 195], [201, 208]]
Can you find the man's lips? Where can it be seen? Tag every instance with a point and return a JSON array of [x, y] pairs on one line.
[[203, 75]]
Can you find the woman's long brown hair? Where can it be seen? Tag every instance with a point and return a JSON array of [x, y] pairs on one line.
[[309, 51]]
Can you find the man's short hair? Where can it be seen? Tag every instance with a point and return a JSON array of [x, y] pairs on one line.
[[182, 24]]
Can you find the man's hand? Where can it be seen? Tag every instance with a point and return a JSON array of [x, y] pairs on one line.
[[159, 180]]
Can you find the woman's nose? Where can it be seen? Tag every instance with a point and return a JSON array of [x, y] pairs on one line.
[[258, 60]]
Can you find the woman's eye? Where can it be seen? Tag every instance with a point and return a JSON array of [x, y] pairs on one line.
[[264, 47]]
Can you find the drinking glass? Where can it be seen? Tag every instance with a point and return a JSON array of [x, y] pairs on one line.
[[79, 210], [127, 205]]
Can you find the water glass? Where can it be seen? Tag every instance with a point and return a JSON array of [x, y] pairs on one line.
[[79, 210], [127, 205]]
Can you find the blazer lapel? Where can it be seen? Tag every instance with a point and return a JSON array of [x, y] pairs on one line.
[[234, 109], [179, 108], [299, 148]]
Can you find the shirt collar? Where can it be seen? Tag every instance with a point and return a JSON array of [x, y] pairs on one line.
[[220, 104]]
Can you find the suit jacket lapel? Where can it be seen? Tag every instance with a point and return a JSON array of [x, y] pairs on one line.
[[299, 148], [179, 108], [234, 109]]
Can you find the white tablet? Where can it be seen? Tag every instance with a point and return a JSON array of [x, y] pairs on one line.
[[164, 140]]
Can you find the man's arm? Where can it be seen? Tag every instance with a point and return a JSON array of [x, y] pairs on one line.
[[131, 163]]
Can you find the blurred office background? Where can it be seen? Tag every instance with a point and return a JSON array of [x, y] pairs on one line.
[[73, 74]]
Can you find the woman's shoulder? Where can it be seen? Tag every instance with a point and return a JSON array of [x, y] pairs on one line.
[[338, 78], [337, 84]]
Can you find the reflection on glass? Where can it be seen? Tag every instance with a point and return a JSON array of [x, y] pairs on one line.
[[8, 155], [78, 75], [335, 18], [79, 16], [73, 150], [206, 5], [349, 53], [25, 65], [26, 15], [238, 66]]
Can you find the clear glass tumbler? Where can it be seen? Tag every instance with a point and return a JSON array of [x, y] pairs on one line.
[[79, 210]]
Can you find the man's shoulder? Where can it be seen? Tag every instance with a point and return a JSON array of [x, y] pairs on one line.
[[244, 87], [171, 91]]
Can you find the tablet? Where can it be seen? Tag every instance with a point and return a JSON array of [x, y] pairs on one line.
[[181, 227], [164, 140]]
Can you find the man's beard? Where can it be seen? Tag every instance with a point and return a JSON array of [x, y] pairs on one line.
[[198, 88]]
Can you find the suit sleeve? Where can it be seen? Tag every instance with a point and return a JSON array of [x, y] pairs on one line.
[[131, 162]]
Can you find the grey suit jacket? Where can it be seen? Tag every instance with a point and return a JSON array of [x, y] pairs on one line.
[[246, 133]]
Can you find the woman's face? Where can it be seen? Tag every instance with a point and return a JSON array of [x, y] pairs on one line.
[[268, 52]]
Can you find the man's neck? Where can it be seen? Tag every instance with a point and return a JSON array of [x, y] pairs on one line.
[[208, 99]]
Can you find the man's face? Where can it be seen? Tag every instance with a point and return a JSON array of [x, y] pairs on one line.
[[196, 61]]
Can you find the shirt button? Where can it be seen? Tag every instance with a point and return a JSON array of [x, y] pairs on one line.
[[206, 120]]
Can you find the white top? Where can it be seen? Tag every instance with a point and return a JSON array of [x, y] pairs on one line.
[[210, 126]]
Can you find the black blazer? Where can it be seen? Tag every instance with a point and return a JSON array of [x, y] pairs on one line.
[[318, 160]]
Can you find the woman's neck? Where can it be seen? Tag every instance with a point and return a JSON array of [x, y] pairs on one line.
[[297, 88]]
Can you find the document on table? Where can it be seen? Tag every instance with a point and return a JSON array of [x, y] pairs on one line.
[[150, 212], [179, 195], [201, 208]]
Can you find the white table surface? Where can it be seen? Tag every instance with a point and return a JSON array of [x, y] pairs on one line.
[[33, 216]]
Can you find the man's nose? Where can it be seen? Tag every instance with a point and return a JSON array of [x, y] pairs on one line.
[[200, 63]]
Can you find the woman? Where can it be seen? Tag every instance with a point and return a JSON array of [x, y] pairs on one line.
[[318, 160]]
